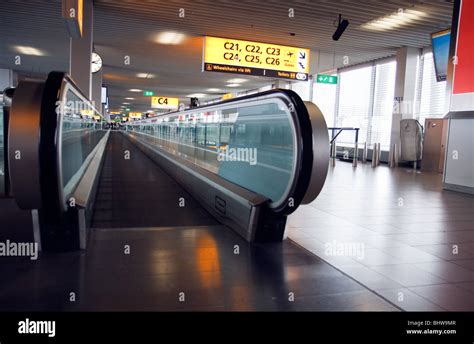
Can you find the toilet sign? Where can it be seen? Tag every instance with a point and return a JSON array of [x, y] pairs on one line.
[[164, 103]]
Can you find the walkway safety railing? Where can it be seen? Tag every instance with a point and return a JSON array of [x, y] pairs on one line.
[[335, 132]]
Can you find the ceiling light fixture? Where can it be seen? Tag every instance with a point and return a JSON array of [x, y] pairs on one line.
[[233, 85], [135, 90], [170, 37], [395, 20], [196, 95], [145, 75], [29, 50], [213, 90], [130, 98], [126, 103]]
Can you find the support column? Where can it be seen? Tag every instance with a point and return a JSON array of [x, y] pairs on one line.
[[97, 90], [81, 51], [405, 85]]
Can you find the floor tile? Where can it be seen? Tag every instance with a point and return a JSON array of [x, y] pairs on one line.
[[447, 296], [408, 300], [468, 264], [448, 271], [375, 257], [447, 251], [370, 278], [353, 302], [407, 254], [469, 286], [408, 275]]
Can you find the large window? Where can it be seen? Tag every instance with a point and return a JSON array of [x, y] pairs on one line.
[[354, 103], [432, 95], [381, 122], [324, 96], [363, 99]]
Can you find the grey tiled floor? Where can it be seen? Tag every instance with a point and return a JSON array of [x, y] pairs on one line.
[[417, 240], [197, 261], [173, 250]]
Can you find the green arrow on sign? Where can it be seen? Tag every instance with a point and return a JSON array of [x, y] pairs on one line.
[[326, 79], [148, 93]]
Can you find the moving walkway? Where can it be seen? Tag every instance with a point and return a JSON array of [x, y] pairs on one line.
[[246, 162]]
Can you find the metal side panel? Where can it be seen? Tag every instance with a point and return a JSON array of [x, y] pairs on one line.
[[23, 142], [320, 149], [228, 203]]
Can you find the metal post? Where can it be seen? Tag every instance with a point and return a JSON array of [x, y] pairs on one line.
[[374, 155], [355, 156], [364, 153], [392, 159], [333, 153], [379, 152], [396, 155], [333, 148]]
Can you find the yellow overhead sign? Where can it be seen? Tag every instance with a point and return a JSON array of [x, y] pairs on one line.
[[164, 103], [253, 58], [135, 114]]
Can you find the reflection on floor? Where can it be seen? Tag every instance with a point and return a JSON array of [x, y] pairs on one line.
[[169, 269], [395, 231]]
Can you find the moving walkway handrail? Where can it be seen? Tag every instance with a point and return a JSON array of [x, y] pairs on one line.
[[308, 134]]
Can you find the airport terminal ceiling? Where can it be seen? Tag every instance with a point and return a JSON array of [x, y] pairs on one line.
[[132, 28]]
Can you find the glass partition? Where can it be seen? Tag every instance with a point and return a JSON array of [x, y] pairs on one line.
[[251, 143], [82, 127]]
